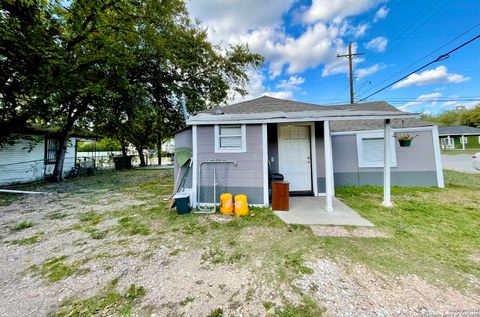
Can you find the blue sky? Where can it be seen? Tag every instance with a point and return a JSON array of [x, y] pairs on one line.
[[300, 40]]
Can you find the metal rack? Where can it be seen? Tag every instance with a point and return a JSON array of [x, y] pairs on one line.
[[211, 174]]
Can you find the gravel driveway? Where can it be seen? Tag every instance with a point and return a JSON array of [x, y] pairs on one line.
[[459, 162]]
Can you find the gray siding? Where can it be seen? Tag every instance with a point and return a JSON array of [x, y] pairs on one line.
[[415, 164], [246, 177], [183, 139]]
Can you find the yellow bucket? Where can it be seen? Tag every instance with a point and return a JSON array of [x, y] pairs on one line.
[[226, 204], [241, 205]]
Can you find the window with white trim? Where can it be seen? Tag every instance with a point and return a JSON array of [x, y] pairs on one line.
[[51, 147], [370, 150], [230, 138]]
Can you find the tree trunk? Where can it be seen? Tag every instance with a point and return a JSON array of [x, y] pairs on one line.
[[57, 175], [159, 150], [142, 157], [123, 144]]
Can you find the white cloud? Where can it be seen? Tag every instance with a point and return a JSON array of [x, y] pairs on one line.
[[425, 99], [467, 104], [378, 44], [292, 83], [437, 75], [434, 99], [381, 13], [329, 10], [317, 45], [364, 72], [360, 30], [226, 20], [255, 88], [431, 98], [260, 25], [340, 65], [279, 94]]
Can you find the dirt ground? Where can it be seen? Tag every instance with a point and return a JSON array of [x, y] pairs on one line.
[[61, 250]]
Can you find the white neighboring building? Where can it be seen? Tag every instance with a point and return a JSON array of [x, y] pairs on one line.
[[32, 157], [168, 146]]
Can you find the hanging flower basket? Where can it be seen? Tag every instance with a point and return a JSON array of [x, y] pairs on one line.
[[405, 143], [404, 139]]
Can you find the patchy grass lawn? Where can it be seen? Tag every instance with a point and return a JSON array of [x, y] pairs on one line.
[[107, 245], [456, 152], [435, 232]]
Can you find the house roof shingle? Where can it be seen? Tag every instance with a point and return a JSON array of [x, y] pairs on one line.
[[269, 107], [458, 130], [269, 104]]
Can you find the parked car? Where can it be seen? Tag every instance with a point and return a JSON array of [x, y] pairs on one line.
[[476, 161]]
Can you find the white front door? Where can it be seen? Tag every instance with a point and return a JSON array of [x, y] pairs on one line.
[[294, 156]]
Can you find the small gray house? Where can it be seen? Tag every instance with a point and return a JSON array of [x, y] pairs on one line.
[[316, 148]]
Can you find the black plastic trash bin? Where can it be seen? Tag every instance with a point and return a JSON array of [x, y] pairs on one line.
[[122, 162], [182, 201]]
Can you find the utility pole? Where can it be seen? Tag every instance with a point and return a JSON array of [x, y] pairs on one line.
[[350, 64]]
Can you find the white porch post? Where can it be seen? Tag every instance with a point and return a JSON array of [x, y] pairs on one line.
[[463, 142], [266, 201], [328, 167], [387, 161], [194, 167]]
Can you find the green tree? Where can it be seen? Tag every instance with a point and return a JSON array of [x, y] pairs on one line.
[[27, 44], [471, 118], [97, 57], [447, 118]]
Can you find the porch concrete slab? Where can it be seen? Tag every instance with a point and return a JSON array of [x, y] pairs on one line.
[[311, 211]]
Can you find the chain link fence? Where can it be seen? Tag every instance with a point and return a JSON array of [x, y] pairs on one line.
[[37, 170]]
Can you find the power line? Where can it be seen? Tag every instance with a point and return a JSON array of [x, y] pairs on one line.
[[337, 101], [422, 58], [438, 59], [405, 27]]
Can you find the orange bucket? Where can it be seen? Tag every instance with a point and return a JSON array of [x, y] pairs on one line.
[[226, 204], [241, 205]]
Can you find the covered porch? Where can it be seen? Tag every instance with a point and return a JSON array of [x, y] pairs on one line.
[[301, 151], [312, 211]]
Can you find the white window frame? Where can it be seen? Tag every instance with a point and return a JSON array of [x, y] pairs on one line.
[[243, 135], [375, 135]]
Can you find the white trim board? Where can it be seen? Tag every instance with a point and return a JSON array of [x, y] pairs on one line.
[[429, 128], [456, 134], [375, 135], [266, 200], [300, 120], [243, 139], [194, 166], [313, 153], [438, 157], [313, 158]]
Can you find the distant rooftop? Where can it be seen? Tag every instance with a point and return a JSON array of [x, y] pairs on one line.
[[458, 130]]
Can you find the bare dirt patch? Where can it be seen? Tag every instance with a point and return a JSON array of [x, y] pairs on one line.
[[337, 231], [354, 290]]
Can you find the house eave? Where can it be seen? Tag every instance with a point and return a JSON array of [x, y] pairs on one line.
[[261, 118]]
